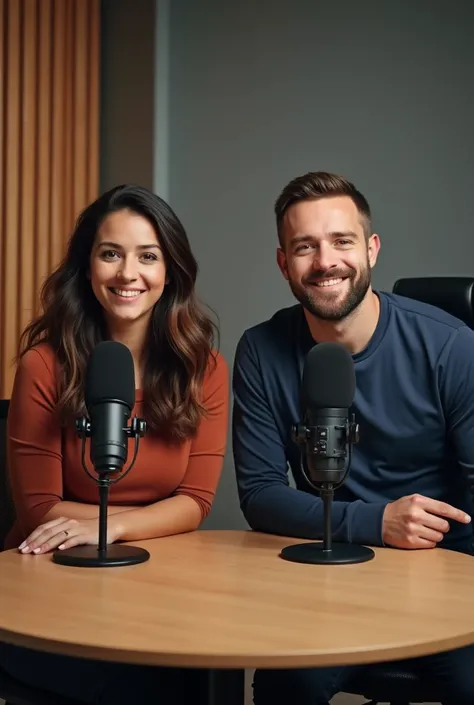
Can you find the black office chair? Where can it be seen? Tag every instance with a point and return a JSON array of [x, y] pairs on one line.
[[396, 682], [11, 690], [453, 294]]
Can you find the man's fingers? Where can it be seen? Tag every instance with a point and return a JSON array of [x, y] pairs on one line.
[[434, 522], [424, 543], [427, 534], [433, 506], [416, 531]]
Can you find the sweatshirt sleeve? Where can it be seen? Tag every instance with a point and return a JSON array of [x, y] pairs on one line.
[[268, 502], [207, 451], [34, 439]]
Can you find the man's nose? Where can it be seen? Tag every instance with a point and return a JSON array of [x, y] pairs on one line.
[[325, 257]]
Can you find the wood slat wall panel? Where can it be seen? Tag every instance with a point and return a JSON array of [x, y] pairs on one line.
[[27, 250], [11, 184], [59, 117], [69, 108], [93, 101], [46, 94], [49, 148]]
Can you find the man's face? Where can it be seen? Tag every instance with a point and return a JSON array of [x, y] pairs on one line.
[[326, 257]]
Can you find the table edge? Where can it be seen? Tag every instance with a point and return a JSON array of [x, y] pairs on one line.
[[303, 659]]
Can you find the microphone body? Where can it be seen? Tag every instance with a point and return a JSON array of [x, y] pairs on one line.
[[109, 436], [325, 437]]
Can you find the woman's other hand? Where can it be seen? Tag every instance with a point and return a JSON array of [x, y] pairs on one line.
[[64, 533]]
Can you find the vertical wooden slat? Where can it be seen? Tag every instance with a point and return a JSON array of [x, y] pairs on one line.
[[43, 142], [59, 77], [68, 79], [80, 104], [28, 163], [93, 100], [9, 279], [49, 147]]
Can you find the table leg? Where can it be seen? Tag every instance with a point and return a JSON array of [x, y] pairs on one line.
[[225, 686]]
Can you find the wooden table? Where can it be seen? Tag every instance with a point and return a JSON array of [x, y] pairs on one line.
[[226, 600]]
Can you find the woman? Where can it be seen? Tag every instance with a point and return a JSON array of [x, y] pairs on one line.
[[128, 275]]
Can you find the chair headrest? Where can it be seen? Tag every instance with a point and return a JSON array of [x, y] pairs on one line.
[[452, 294]]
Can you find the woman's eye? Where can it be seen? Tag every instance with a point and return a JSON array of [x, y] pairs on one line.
[[109, 254]]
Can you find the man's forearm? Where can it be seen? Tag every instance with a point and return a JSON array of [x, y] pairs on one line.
[[287, 511]]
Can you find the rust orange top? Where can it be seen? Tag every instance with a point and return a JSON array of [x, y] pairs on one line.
[[44, 458]]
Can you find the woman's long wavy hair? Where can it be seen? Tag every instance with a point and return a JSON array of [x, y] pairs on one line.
[[181, 336]]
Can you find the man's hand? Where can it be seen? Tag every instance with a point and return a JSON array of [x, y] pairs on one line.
[[418, 522], [64, 533]]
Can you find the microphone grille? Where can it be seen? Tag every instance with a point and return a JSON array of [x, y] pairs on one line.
[[328, 377], [110, 375]]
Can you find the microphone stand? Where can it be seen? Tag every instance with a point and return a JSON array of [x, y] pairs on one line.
[[318, 438], [104, 555]]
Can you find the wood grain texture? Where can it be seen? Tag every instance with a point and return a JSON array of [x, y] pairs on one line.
[[226, 599], [49, 148]]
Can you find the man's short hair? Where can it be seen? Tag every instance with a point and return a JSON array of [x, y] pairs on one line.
[[321, 184]]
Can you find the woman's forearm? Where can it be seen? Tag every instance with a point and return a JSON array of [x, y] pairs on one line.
[[79, 510], [174, 515]]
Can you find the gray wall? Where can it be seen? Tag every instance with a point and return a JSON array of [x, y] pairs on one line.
[[127, 124], [263, 90], [222, 103]]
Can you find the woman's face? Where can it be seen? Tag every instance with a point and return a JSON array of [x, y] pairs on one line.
[[127, 268]]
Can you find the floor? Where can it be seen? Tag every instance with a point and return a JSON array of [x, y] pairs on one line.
[[338, 700]]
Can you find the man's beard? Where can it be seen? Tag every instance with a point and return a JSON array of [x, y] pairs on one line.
[[337, 309]]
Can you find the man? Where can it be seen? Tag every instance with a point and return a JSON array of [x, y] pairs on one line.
[[413, 468]]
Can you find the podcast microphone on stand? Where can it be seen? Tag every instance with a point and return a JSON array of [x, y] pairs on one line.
[[110, 398], [326, 437]]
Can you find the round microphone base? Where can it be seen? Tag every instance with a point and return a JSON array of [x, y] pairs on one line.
[[91, 557], [314, 553]]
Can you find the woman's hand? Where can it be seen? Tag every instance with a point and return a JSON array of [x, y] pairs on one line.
[[64, 533]]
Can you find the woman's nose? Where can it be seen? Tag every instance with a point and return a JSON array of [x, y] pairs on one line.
[[128, 269]]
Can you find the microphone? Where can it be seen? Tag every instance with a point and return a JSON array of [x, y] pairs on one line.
[[110, 397], [326, 436]]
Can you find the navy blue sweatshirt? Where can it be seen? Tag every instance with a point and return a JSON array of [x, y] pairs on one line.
[[414, 404]]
